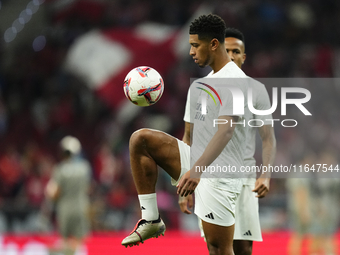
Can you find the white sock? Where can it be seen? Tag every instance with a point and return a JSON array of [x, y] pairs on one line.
[[148, 206]]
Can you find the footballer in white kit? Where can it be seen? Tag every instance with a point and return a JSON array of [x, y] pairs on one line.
[[220, 145], [211, 203], [247, 226]]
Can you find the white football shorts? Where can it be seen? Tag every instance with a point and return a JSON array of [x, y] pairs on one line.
[[214, 205], [247, 221]]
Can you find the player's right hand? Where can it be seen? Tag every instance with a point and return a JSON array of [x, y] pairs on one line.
[[185, 202]]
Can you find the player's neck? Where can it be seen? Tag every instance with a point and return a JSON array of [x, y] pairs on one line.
[[221, 59]]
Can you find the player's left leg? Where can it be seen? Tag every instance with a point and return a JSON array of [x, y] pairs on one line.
[[243, 247], [215, 206], [219, 238]]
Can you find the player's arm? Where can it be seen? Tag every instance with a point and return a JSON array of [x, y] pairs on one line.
[[190, 180], [186, 203], [188, 127], [268, 156], [52, 190]]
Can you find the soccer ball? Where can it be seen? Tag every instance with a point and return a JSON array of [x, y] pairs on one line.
[[143, 86]]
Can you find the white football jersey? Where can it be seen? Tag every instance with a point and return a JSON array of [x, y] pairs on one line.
[[260, 101], [230, 77]]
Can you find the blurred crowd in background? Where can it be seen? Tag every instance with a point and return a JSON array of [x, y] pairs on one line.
[[41, 101]]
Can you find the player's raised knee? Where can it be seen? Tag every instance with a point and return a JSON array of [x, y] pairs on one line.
[[140, 136]]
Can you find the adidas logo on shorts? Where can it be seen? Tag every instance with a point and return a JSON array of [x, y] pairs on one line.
[[248, 233], [210, 216]]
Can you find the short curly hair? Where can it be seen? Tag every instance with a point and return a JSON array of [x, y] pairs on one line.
[[208, 27], [233, 32]]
